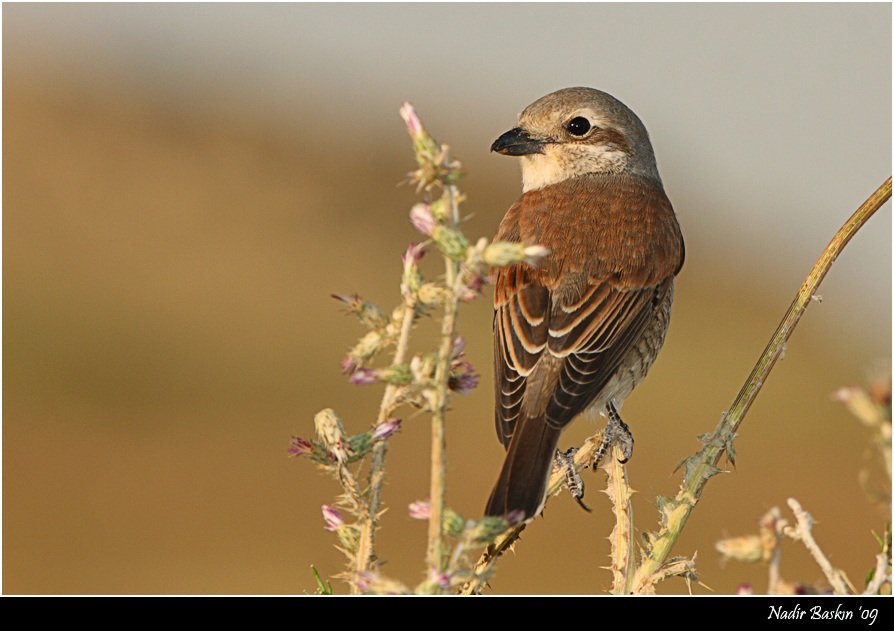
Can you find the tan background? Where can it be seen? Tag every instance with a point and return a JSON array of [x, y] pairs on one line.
[[185, 185]]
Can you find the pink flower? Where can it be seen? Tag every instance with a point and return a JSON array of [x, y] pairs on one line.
[[349, 365], [474, 279], [414, 125], [413, 254], [332, 518], [364, 377], [300, 446], [423, 219], [386, 428], [420, 509], [440, 579], [365, 580]]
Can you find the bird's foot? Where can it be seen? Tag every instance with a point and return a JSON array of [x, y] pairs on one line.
[[565, 462], [616, 433]]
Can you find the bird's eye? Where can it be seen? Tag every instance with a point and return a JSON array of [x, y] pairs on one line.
[[578, 126]]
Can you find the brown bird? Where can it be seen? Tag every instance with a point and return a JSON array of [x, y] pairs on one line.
[[576, 333]]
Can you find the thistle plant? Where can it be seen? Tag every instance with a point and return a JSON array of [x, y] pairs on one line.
[[872, 407], [424, 380]]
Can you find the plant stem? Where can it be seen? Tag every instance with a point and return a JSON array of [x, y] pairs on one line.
[[582, 458], [435, 556], [803, 531], [622, 541], [364, 557], [717, 445]]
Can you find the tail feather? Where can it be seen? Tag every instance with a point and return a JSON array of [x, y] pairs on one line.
[[526, 469]]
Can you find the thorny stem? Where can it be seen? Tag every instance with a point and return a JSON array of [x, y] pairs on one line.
[[364, 558], [622, 539], [803, 532], [436, 559], [880, 576], [582, 458], [488, 558], [710, 455]]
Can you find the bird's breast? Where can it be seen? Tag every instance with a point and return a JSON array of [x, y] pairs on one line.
[[600, 227]]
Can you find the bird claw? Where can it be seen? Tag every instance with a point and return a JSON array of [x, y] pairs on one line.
[[565, 461], [616, 433]]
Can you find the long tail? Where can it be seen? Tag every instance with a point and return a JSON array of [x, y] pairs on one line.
[[526, 469]]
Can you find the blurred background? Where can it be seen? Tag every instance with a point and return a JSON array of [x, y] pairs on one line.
[[184, 186]]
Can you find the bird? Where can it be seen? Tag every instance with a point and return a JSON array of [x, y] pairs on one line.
[[576, 332]]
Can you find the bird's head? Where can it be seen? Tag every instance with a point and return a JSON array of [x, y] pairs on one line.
[[578, 131]]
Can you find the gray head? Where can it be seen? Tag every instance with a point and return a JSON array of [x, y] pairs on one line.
[[577, 131]]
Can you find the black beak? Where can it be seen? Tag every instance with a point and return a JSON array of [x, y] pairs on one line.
[[517, 142]]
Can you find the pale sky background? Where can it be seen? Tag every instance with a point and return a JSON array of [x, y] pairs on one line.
[[771, 122]]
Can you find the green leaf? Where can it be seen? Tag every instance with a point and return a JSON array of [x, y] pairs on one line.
[[323, 588]]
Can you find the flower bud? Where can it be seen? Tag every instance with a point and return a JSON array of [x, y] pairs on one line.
[[300, 446], [332, 517], [367, 347], [364, 377], [431, 294], [332, 433], [420, 509], [411, 118], [422, 219], [386, 429], [533, 253], [504, 253], [452, 243], [747, 549]]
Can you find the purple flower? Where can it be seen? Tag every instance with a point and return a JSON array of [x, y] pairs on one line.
[[364, 376], [420, 509], [300, 446], [332, 518], [744, 589], [385, 429], [463, 378]]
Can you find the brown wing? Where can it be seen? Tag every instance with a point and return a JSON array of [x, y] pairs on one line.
[[561, 331], [568, 356]]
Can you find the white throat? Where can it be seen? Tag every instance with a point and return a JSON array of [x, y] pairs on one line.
[[560, 162]]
